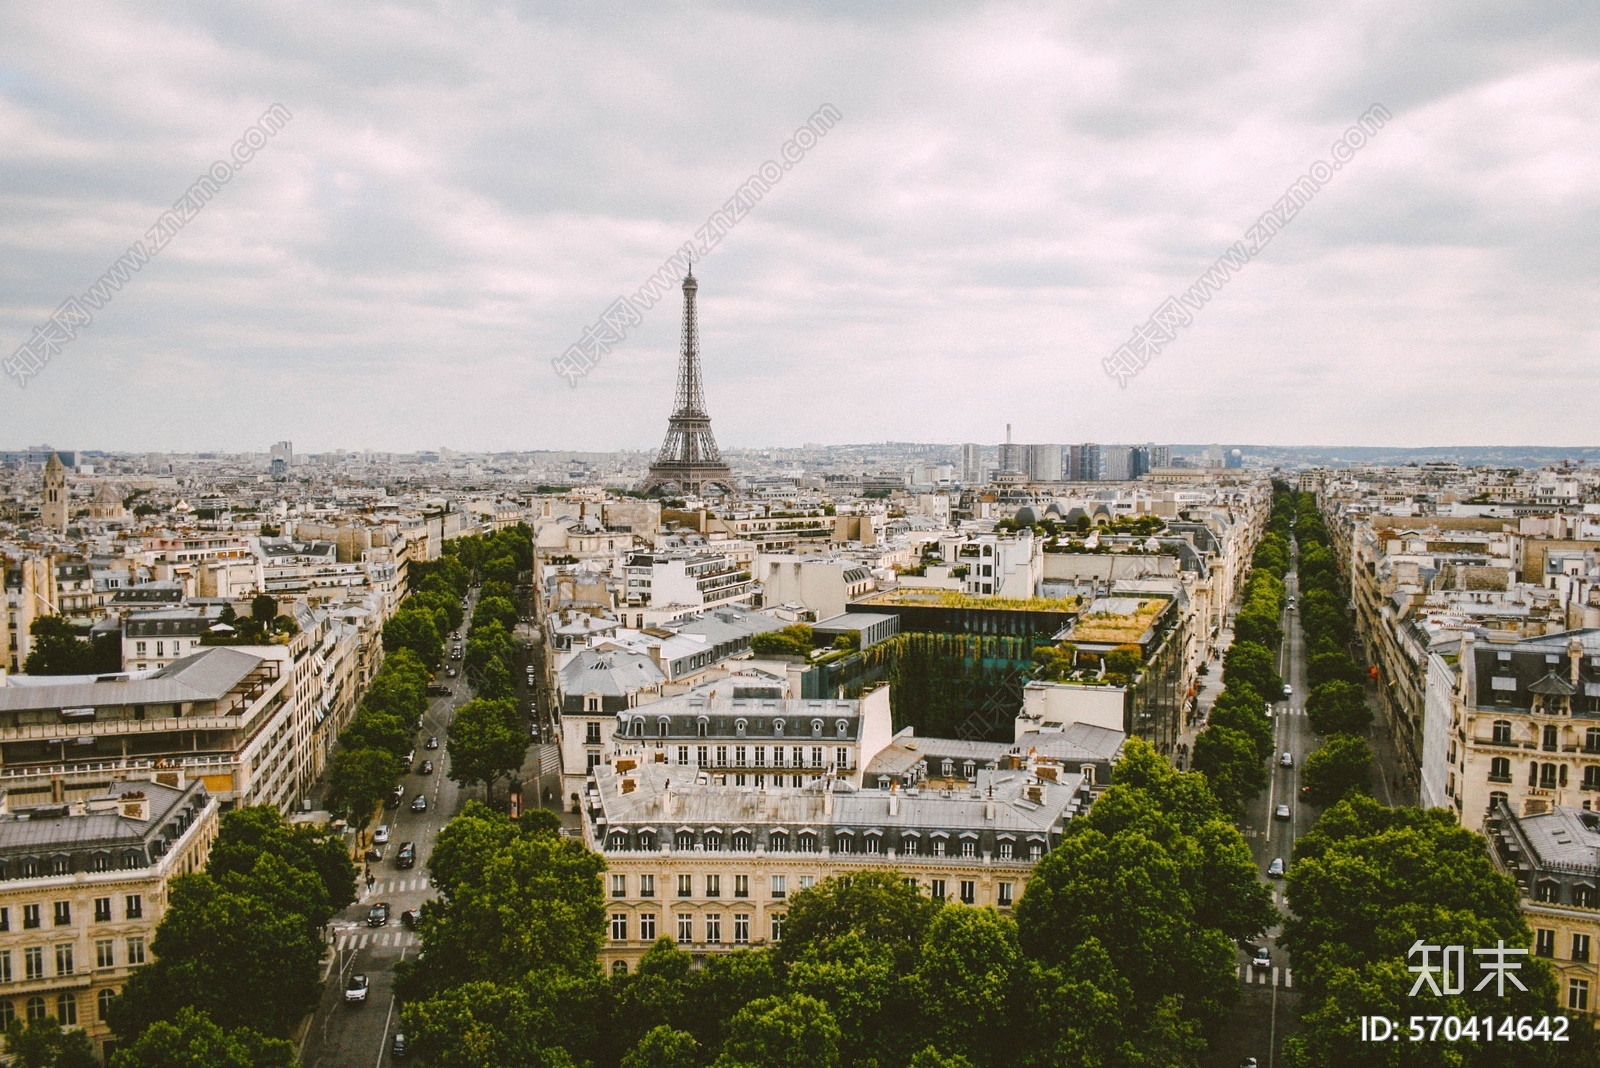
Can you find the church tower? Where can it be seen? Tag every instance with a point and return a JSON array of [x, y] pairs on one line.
[[53, 510]]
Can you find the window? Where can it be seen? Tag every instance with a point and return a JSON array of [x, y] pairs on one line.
[[617, 842], [738, 729], [777, 728], [30, 916], [841, 758], [1544, 942], [936, 889], [874, 843], [1500, 769], [132, 907], [969, 848], [105, 953], [816, 756], [683, 841], [807, 881], [102, 1002], [842, 843], [619, 927], [1578, 994], [5, 917], [741, 886], [591, 761], [1580, 947], [741, 928], [619, 886], [100, 862], [713, 841], [777, 756], [797, 757], [647, 886], [741, 842], [713, 886], [739, 755], [36, 1009], [647, 926], [1547, 776], [1004, 898], [938, 847], [685, 928], [685, 887], [139, 648], [808, 843], [1591, 777], [761, 756], [619, 967], [780, 842], [700, 728], [1583, 896], [1591, 740], [1006, 849], [33, 962], [780, 886], [1035, 850], [661, 728], [714, 928], [777, 927], [722, 756], [67, 1009], [701, 756], [135, 951], [1502, 732], [1551, 740], [102, 910], [683, 756], [969, 891], [591, 734], [5, 966], [8, 1012], [816, 728], [1548, 891]]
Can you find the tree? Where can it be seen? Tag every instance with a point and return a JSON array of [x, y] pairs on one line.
[[1232, 764], [970, 960], [247, 834], [1326, 667], [1252, 664], [1339, 707], [44, 1044], [495, 610], [378, 730], [663, 1047], [244, 961], [264, 609], [192, 1040], [55, 649], [414, 629], [1343, 763], [794, 1031], [485, 741], [876, 905], [358, 782], [1125, 660], [534, 1023]]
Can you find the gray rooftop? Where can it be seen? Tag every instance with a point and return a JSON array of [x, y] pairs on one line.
[[208, 675]]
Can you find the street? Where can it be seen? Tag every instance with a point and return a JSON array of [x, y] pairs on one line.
[[358, 1034]]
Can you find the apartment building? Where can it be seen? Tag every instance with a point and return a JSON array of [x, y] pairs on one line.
[[713, 866], [83, 887], [1555, 858], [686, 577], [223, 716], [1526, 725]]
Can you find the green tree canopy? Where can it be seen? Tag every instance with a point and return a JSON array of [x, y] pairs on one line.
[[358, 782], [192, 1040], [485, 741], [414, 629], [878, 906], [45, 1044], [794, 1031], [1232, 763], [1252, 663], [1342, 763], [1339, 707]]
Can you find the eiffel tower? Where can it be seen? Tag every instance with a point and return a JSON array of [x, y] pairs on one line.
[[689, 457]]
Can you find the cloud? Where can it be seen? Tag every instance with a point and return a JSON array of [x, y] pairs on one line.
[[464, 187]]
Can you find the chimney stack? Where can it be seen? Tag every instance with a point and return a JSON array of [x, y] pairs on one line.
[[988, 804], [827, 796], [894, 798], [1575, 657]]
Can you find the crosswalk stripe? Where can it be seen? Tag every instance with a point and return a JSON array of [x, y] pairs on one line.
[[1288, 979]]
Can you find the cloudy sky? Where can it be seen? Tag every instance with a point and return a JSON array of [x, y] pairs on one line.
[[1010, 191]]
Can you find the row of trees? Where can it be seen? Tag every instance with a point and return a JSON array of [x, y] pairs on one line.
[[1367, 883], [57, 648], [1120, 953], [238, 952], [1235, 748], [373, 748], [1337, 705]]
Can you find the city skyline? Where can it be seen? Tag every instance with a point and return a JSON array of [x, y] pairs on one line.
[[1006, 191]]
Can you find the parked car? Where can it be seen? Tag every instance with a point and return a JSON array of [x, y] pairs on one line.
[[1288, 691], [449, 672], [398, 1048], [432, 742], [426, 768], [374, 854], [421, 804], [407, 857], [1279, 813], [409, 917], [1262, 960], [355, 991], [1275, 869], [1287, 760], [438, 691], [455, 654], [378, 915], [397, 796], [381, 835]]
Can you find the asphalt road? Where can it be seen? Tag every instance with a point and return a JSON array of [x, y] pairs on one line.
[[356, 1035]]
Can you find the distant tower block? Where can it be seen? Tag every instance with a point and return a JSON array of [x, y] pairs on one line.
[[53, 510], [689, 459]]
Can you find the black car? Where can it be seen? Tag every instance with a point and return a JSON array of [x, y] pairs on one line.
[[426, 768], [440, 691], [420, 804], [409, 917], [407, 857], [432, 742], [378, 915], [398, 1048]]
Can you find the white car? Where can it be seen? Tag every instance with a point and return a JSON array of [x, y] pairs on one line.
[[1262, 960], [1287, 760], [381, 835], [1288, 691], [1281, 812], [355, 992]]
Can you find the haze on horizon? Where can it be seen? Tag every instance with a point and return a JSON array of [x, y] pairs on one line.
[[1010, 190]]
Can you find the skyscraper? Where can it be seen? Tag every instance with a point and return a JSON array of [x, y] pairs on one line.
[[1043, 463], [1083, 462], [689, 457], [971, 464]]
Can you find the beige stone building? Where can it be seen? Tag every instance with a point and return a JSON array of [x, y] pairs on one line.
[[82, 889], [715, 866]]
